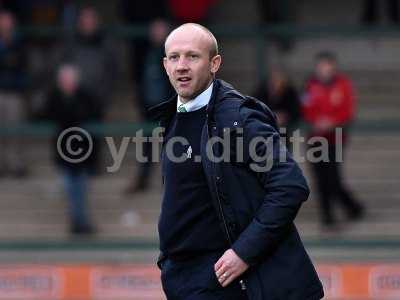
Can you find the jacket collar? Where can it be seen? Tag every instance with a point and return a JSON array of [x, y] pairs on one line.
[[164, 110]]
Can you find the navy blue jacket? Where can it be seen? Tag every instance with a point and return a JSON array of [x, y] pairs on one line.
[[256, 209]]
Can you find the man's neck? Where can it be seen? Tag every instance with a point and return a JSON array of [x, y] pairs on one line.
[[186, 100]]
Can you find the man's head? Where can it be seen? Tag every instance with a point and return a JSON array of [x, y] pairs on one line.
[[277, 79], [7, 24], [326, 66], [158, 31], [191, 59], [68, 79], [88, 21]]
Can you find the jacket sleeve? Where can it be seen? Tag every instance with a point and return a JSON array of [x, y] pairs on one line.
[[309, 106], [284, 184], [345, 112]]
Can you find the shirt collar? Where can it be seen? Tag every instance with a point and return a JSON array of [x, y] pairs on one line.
[[198, 102]]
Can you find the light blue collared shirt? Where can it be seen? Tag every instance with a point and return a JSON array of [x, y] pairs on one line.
[[198, 102]]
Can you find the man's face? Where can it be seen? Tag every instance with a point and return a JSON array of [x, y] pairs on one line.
[[158, 32], [67, 80], [325, 70], [7, 24], [88, 22], [188, 64]]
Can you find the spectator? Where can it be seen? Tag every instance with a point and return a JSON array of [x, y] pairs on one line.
[[13, 82], [141, 14], [157, 88], [69, 105], [329, 104], [281, 96], [93, 54], [371, 11]]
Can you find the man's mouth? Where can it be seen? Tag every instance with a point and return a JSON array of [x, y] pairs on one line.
[[184, 79]]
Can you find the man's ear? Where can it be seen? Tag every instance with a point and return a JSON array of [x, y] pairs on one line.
[[215, 63], [165, 65]]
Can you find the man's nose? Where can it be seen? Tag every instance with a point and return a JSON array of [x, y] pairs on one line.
[[182, 64]]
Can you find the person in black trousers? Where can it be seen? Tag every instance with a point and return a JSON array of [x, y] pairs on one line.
[[329, 105], [156, 88], [70, 106], [226, 228]]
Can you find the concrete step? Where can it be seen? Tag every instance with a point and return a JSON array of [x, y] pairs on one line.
[[42, 196], [381, 227], [378, 210], [138, 216], [146, 251], [36, 207]]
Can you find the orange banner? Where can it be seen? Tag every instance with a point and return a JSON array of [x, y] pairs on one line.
[[112, 282]]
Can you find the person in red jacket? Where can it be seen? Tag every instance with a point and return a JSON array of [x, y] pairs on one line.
[[328, 104]]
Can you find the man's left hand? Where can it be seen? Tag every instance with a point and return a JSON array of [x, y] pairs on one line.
[[229, 267]]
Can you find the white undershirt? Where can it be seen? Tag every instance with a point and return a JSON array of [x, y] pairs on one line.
[[198, 102]]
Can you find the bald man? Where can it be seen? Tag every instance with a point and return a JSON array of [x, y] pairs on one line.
[[226, 226]]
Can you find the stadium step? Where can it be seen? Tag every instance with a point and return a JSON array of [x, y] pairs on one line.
[[36, 207]]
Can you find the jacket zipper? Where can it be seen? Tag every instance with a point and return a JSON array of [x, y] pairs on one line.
[[242, 283]]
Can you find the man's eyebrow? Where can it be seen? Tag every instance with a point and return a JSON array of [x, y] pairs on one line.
[[189, 52], [193, 52]]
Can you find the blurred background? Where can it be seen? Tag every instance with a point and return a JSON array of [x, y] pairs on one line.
[[78, 231]]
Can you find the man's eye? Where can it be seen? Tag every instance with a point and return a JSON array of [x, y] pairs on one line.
[[193, 56], [173, 57]]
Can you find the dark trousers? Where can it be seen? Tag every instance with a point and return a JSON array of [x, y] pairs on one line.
[[195, 279], [75, 184], [144, 168], [332, 189]]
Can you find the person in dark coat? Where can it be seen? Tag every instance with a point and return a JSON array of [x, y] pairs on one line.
[[226, 227], [94, 54], [155, 87], [70, 106], [281, 96], [141, 14], [13, 85]]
